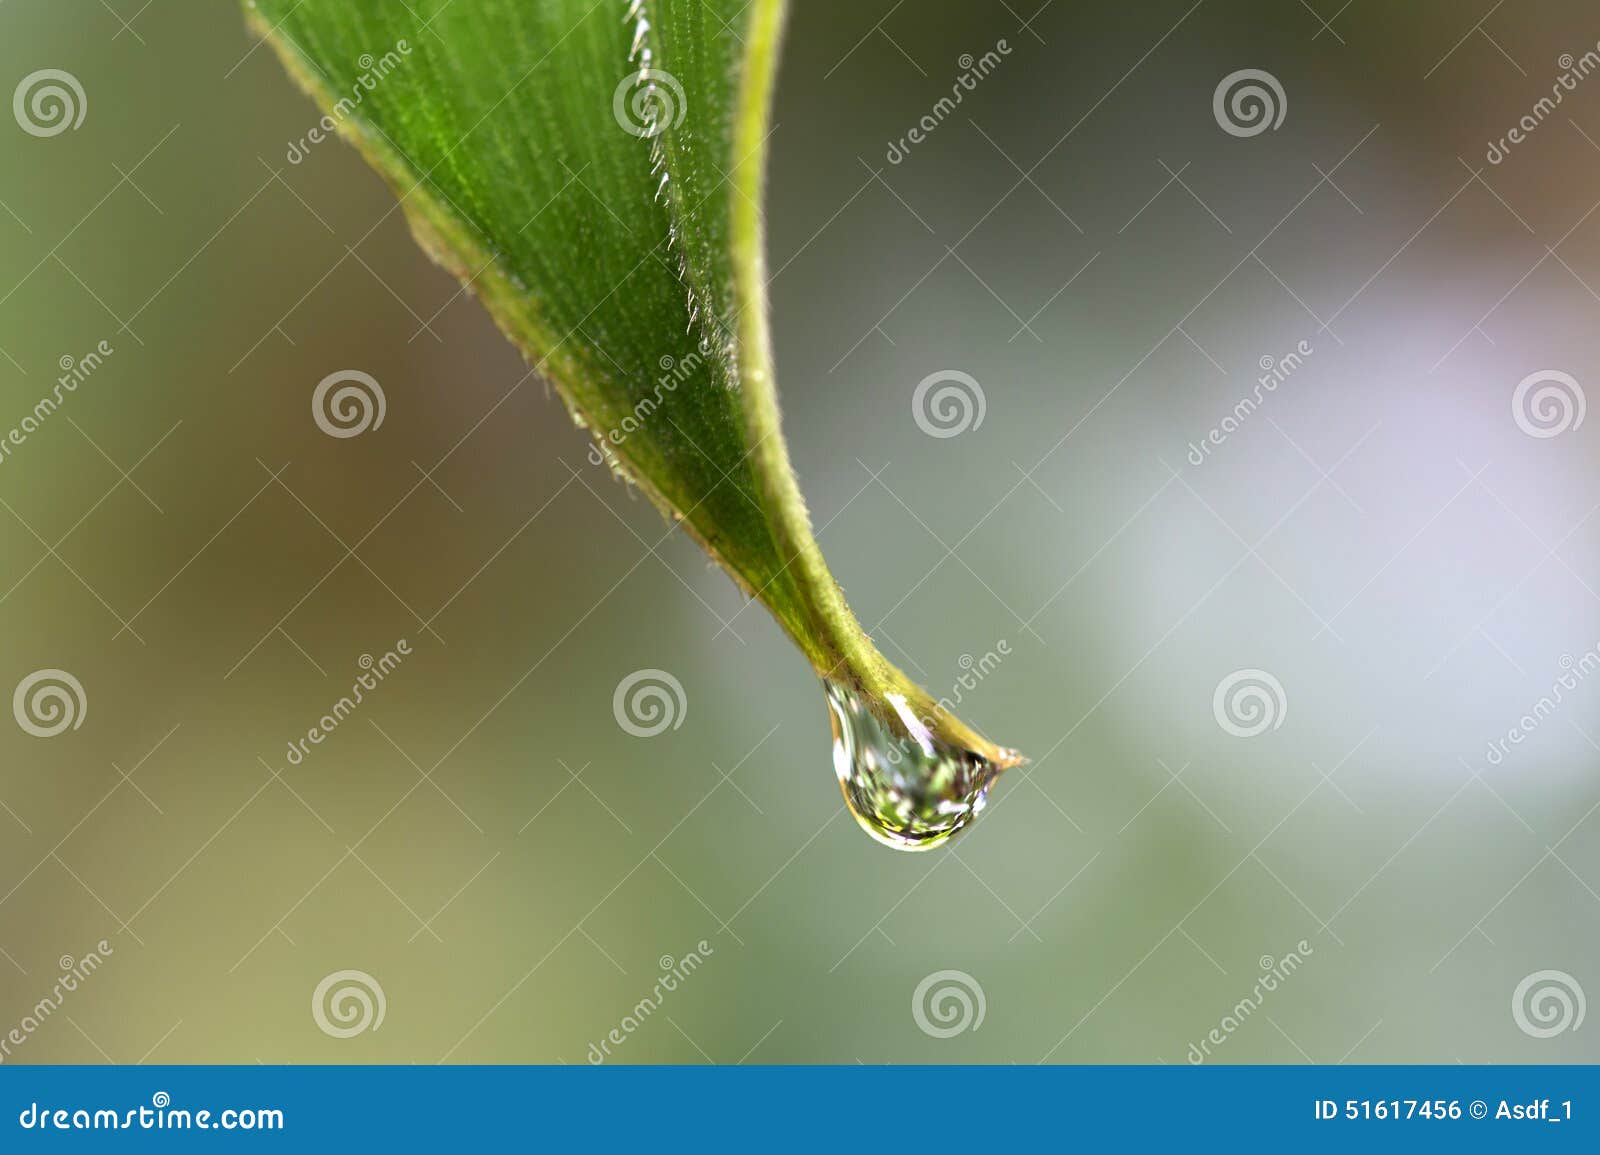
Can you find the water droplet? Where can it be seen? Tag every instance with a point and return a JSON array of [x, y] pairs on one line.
[[907, 788]]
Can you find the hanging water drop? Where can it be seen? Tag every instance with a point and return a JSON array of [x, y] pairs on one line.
[[906, 787]]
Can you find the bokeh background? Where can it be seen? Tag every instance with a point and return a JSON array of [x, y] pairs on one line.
[[1081, 237]]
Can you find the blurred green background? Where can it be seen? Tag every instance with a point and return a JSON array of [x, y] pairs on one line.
[[1081, 237]]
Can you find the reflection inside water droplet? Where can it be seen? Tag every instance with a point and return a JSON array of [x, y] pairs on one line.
[[907, 788]]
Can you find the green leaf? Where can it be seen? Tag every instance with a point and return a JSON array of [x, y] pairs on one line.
[[593, 172]]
